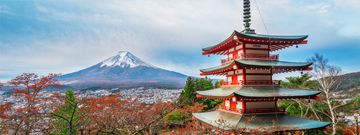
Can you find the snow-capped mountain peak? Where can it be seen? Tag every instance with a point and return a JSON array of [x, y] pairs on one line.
[[124, 59]]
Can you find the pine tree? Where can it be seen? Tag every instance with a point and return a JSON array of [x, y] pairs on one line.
[[187, 96], [66, 118], [204, 84]]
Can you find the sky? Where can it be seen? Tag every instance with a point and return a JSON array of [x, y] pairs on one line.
[[64, 36]]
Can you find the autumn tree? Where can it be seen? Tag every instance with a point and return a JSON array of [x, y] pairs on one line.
[[113, 115], [29, 116], [66, 118], [5, 114]]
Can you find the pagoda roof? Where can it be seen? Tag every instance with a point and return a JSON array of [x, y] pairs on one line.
[[262, 122], [276, 42], [277, 92], [256, 63], [258, 92], [273, 37], [220, 92]]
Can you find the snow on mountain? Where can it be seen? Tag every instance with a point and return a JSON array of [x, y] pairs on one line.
[[124, 70], [124, 59]]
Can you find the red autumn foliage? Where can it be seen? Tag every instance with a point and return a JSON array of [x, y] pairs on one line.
[[112, 115], [4, 110], [349, 130], [29, 114]]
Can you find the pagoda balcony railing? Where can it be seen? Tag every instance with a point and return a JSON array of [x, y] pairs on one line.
[[252, 82], [252, 56], [265, 110]]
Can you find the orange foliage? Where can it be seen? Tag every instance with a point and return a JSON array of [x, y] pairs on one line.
[[110, 114], [348, 130], [4, 111], [29, 116]]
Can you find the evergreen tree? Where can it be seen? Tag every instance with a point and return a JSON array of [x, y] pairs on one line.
[[203, 84], [301, 82], [66, 118], [188, 95]]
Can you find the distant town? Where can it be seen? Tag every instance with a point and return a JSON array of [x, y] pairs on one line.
[[144, 95]]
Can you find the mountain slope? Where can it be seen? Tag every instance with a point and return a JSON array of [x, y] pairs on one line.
[[351, 81], [123, 70]]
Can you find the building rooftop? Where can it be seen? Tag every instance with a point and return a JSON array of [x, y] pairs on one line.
[[262, 122], [258, 92], [258, 63], [272, 40]]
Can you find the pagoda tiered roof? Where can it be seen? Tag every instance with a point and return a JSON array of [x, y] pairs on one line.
[[277, 66], [275, 42], [263, 122], [258, 92]]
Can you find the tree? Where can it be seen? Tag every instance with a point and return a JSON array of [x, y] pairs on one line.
[[30, 115], [300, 107], [112, 115], [329, 79], [218, 84], [302, 82], [5, 115], [203, 84], [66, 117], [188, 95]]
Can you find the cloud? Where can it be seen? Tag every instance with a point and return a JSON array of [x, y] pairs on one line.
[[320, 8], [4, 10], [64, 36]]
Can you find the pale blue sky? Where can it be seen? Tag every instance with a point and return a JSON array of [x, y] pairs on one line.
[[62, 36]]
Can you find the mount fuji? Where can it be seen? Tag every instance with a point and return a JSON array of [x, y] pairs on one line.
[[124, 70]]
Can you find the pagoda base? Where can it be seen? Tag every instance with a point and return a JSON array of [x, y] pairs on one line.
[[258, 122]]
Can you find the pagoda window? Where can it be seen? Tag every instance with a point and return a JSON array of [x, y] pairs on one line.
[[231, 73], [229, 79], [239, 105], [240, 78], [227, 104], [238, 72]]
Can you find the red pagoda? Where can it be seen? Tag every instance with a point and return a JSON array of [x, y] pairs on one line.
[[249, 93]]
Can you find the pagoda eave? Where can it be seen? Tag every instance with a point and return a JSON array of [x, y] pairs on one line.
[[275, 66], [271, 98], [258, 122], [275, 42], [257, 92]]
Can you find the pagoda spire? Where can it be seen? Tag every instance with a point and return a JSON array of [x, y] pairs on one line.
[[247, 18]]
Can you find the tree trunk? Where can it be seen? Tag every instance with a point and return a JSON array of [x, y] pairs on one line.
[[332, 113]]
